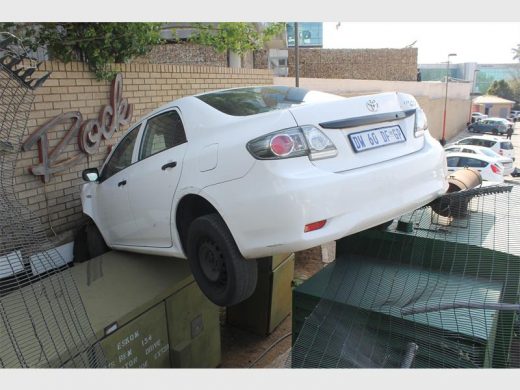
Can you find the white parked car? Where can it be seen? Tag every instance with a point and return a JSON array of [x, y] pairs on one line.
[[499, 145], [246, 173], [481, 150], [488, 167], [477, 116]]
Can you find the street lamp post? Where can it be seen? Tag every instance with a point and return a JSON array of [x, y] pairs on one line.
[[443, 139], [473, 83]]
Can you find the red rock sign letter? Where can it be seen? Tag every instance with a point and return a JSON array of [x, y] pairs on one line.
[[88, 133]]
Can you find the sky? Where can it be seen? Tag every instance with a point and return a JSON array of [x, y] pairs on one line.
[[482, 42]]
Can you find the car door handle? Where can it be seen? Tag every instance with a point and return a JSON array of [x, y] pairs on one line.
[[169, 165], [121, 183]]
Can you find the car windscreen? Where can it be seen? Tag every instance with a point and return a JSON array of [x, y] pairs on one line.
[[251, 101]]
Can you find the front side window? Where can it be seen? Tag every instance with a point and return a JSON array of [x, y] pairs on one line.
[[471, 162], [506, 145], [162, 132], [122, 156], [452, 161]]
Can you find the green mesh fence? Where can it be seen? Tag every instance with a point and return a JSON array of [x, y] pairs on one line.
[[437, 289], [43, 322]]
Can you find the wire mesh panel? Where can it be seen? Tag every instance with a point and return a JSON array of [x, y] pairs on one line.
[[438, 288], [43, 322]]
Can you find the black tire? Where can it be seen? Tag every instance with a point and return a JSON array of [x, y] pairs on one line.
[[95, 242], [80, 248], [494, 131], [219, 269]]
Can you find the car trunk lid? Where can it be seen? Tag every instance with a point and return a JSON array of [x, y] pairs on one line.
[[366, 130]]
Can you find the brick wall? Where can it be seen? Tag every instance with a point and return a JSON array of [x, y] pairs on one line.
[[365, 64], [72, 87]]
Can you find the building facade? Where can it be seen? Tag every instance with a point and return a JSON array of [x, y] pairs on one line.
[[480, 75]]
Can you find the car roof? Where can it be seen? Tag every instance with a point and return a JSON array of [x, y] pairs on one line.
[[497, 119], [484, 136], [466, 146], [482, 157]]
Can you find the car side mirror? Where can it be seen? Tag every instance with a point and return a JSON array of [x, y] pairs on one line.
[[90, 174]]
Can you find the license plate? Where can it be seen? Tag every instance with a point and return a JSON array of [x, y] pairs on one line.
[[375, 138]]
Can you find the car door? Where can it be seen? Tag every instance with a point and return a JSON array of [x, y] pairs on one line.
[[113, 213], [155, 177], [452, 162], [474, 163]]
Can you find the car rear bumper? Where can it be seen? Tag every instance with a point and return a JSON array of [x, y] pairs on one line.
[[271, 205]]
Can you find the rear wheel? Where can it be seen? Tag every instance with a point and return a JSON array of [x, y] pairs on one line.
[[494, 131], [221, 272]]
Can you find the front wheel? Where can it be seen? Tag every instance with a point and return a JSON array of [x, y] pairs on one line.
[[218, 267]]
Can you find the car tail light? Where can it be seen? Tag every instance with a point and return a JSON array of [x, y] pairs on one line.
[[421, 122], [294, 142], [281, 145], [314, 226], [495, 169]]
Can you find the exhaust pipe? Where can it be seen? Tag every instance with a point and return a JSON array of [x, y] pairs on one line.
[[457, 205]]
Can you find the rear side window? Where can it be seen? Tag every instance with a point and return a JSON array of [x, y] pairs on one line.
[[506, 145], [162, 132]]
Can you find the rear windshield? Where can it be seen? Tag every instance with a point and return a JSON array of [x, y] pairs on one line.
[[251, 101], [506, 145], [477, 142]]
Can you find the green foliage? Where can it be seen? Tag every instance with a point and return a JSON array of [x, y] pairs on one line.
[[516, 52], [502, 89], [96, 44], [238, 37]]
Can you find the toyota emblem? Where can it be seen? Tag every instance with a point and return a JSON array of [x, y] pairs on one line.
[[372, 105]]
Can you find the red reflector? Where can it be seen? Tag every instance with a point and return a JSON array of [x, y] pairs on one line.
[[314, 226], [495, 169], [282, 145]]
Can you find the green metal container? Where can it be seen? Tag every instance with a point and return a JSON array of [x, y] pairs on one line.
[[374, 275], [142, 343], [270, 304], [156, 300], [193, 328]]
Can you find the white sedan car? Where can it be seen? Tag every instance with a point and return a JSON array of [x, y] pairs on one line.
[[488, 167], [481, 150], [238, 174]]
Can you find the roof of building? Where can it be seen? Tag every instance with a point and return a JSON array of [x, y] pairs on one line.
[[491, 99]]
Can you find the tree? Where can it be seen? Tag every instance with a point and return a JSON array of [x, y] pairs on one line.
[[502, 89], [516, 52], [239, 38], [96, 44]]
